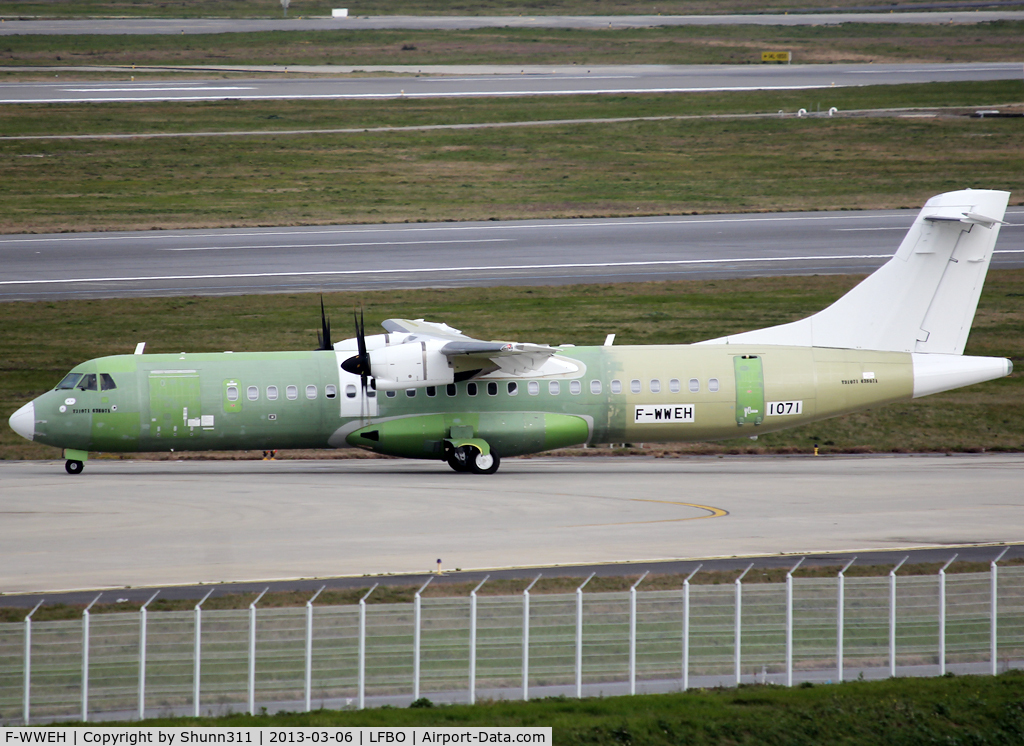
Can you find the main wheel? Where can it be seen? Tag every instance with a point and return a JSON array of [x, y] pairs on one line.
[[73, 467], [481, 464], [458, 459]]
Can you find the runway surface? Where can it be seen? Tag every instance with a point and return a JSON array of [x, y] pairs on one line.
[[225, 25], [156, 523], [504, 80], [533, 252]]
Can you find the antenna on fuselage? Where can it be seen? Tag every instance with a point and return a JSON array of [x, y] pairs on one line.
[[323, 337]]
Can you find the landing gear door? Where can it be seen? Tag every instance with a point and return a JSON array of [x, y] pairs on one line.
[[750, 406]]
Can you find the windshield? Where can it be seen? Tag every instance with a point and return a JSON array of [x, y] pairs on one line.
[[69, 381]]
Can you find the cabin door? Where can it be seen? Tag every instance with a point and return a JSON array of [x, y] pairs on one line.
[[174, 403], [750, 407]]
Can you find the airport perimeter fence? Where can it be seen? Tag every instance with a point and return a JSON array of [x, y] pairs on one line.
[[158, 663]]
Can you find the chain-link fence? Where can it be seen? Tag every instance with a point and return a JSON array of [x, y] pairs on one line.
[[132, 665]]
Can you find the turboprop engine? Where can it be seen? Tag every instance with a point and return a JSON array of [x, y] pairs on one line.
[[410, 365]]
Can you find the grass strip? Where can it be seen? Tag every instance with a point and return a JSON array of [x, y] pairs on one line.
[[586, 170], [43, 340], [314, 8], [278, 115], [970, 709], [999, 41]]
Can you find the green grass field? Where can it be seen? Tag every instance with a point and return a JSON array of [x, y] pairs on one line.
[[556, 170], [955, 710], [849, 42], [43, 340], [312, 8]]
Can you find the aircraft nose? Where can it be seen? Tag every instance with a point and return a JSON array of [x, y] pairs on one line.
[[23, 422]]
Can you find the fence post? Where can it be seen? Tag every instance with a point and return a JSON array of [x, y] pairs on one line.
[[632, 633], [738, 615], [309, 646], [579, 636], [526, 638], [841, 620], [686, 627], [993, 612], [789, 622], [416, 640], [892, 616], [252, 652], [362, 647], [27, 685], [142, 656], [85, 660], [472, 640], [195, 652], [942, 615]]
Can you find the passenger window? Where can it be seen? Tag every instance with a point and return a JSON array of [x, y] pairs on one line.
[[391, 394], [371, 394], [410, 393], [575, 387], [553, 388], [616, 386], [533, 388], [471, 389], [107, 382], [292, 392], [595, 387], [674, 386], [694, 385], [513, 388], [712, 385], [272, 393], [655, 386], [431, 390], [232, 393], [253, 393], [451, 389], [69, 381], [634, 385], [311, 391], [330, 391], [88, 382], [350, 391], [492, 388]]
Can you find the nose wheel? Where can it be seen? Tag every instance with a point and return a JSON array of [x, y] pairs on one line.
[[73, 467]]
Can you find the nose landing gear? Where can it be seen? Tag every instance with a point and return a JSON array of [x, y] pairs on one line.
[[73, 467]]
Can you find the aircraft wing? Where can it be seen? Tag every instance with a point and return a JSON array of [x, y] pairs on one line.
[[515, 358]]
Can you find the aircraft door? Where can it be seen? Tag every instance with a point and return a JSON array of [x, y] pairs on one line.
[[174, 403], [354, 401], [750, 407]]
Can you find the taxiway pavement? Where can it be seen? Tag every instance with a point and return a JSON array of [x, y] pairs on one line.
[[529, 252], [438, 81], [138, 523]]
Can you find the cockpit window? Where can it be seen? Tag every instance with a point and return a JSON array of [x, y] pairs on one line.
[[107, 382], [88, 382], [69, 381]]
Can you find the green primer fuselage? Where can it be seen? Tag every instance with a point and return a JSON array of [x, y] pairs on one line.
[[226, 401]]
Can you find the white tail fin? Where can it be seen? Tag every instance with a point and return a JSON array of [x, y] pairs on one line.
[[921, 300]]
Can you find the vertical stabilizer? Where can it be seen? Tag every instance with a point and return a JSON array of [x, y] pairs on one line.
[[923, 299]]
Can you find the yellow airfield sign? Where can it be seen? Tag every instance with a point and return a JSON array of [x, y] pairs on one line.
[[776, 57]]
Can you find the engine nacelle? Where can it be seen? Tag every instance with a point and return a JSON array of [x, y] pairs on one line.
[[410, 365]]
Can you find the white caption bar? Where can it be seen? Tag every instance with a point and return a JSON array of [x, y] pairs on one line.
[[122, 736]]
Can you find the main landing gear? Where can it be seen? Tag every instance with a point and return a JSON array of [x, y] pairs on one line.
[[73, 467], [469, 459]]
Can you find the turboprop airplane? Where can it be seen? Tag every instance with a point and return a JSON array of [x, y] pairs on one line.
[[425, 390]]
